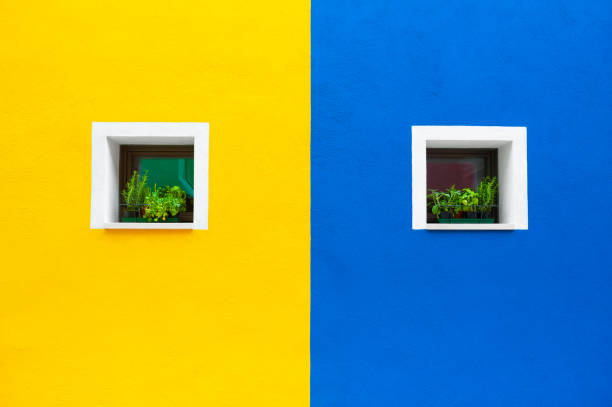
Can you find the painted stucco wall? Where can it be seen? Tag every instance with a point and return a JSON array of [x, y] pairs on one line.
[[419, 318], [155, 318]]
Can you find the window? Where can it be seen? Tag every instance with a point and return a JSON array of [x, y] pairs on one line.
[[164, 166], [461, 155], [172, 153], [461, 168]]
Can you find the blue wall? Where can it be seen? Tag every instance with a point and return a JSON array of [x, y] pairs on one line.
[[417, 318]]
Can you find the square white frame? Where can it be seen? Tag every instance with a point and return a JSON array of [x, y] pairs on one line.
[[107, 137], [511, 143]]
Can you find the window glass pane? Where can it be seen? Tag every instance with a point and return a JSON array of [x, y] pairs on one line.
[[463, 172], [168, 171]]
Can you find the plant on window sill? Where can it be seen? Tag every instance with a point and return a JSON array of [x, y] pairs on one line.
[[134, 194], [160, 204], [465, 205]]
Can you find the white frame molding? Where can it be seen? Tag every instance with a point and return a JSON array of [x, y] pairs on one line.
[[106, 139], [511, 143]]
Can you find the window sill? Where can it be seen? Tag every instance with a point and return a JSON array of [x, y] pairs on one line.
[[470, 226], [152, 225]]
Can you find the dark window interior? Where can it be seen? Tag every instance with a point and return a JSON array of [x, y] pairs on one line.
[[166, 165], [461, 167]]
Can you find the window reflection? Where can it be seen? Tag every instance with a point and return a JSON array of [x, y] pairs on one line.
[[461, 172], [168, 171]]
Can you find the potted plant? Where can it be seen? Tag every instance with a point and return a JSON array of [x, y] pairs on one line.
[[455, 202], [134, 195], [487, 191], [438, 201], [469, 199], [465, 205], [143, 204], [165, 203]]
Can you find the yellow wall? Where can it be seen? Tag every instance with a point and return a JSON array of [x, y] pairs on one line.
[[155, 318]]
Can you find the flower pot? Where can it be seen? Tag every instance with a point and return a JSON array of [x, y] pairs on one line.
[[486, 213], [444, 217], [467, 220], [146, 220]]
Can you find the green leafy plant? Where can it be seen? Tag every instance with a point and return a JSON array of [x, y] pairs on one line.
[[455, 200], [487, 191], [135, 192], [152, 204], [469, 200], [164, 202], [438, 202]]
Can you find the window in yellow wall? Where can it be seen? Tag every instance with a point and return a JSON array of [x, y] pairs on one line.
[[157, 183]]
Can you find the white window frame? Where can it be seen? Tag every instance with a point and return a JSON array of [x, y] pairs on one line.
[[107, 137], [511, 143]]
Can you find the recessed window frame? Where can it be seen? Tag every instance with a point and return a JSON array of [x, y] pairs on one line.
[[107, 139], [511, 144]]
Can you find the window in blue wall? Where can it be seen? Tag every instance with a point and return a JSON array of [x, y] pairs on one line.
[[453, 179]]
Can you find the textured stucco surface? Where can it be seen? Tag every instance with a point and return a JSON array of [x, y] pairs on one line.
[[416, 318], [155, 318]]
